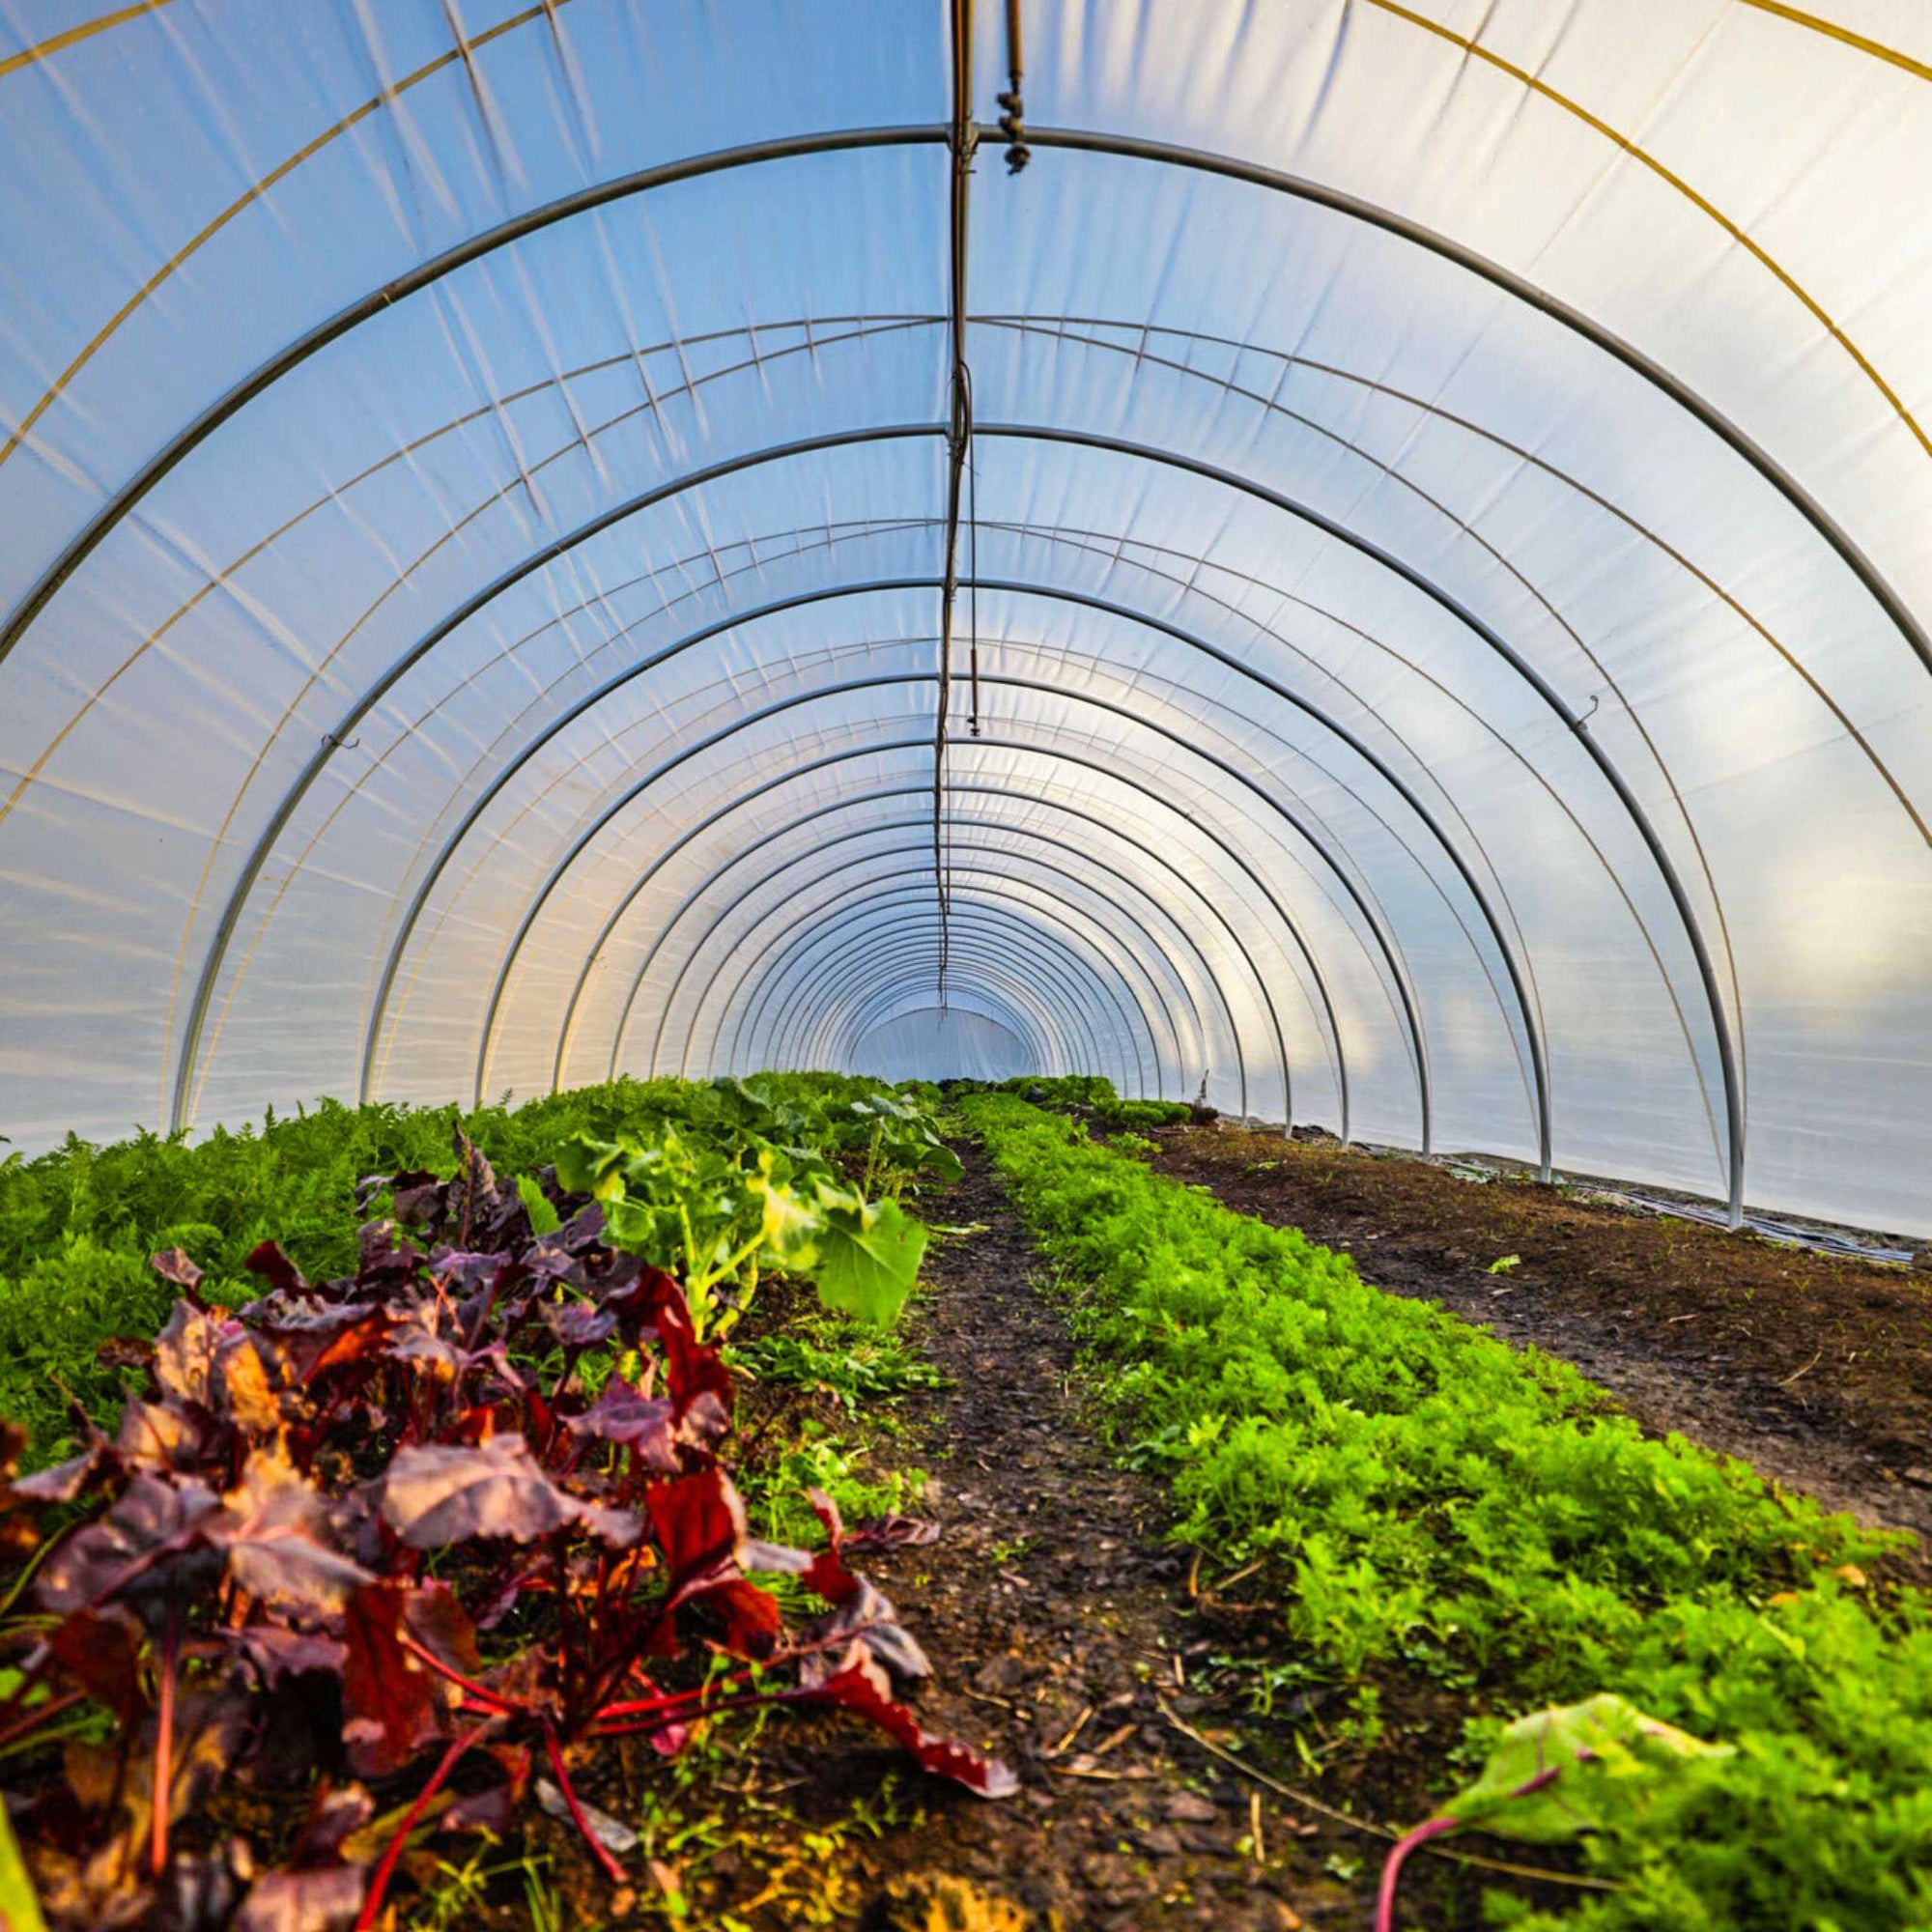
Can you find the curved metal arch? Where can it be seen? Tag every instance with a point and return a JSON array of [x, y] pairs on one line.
[[1529, 1016], [817, 340], [1467, 618], [1080, 438], [1144, 791], [909, 955], [955, 789], [331, 741], [844, 140], [1228, 167], [982, 1000], [904, 965], [902, 962], [1541, 1100], [903, 824], [1026, 941], [1062, 330], [1129, 147], [186, 439], [1526, 1008], [1734, 1115], [908, 931], [1053, 1033], [1028, 859], [908, 905], [1418, 579], [887, 1002], [897, 894], [1384, 943], [975, 998], [1057, 534]]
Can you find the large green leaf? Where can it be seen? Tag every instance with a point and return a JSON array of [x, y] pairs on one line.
[[1560, 1772], [544, 1218], [868, 1256]]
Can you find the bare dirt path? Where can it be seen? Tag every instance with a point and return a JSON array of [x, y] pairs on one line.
[[1818, 1370], [1055, 1614]]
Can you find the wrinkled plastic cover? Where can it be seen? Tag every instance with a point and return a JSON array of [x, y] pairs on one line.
[[1451, 530]]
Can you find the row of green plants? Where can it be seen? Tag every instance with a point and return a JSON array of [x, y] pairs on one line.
[[366, 1562], [1430, 1501], [79, 1223], [1093, 1094]]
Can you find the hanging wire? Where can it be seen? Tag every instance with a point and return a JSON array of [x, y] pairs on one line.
[[960, 434], [972, 562]]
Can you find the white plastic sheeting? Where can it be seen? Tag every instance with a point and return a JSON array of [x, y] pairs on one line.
[[1451, 555], [925, 1043]]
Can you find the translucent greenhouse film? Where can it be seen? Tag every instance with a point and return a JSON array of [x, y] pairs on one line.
[[1389, 565]]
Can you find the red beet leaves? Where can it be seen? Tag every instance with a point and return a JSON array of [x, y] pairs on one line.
[[377, 1532]]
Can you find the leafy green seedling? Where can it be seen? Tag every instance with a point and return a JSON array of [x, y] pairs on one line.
[[1504, 1265], [1556, 1775], [544, 1218]]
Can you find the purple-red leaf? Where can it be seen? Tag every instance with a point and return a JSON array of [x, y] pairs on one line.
[[267, 1261], [173, 1265], [316, 1336], [577, 1325], [275, 1652], [159, 1434], [334, 1815], [865, 1615], [435, 1495], [890, 1531], [699, 1520], [184, 1353], [139, 1548], [101, 1651], [395, 1705], [273, 1528], [324, 1901], [857, 1684], [62, 1482], [638, 1422]]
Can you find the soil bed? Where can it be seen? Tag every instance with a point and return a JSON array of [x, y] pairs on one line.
[[1054, 1613], [1816, 1370], [1067, 1635], [1116, 1673]]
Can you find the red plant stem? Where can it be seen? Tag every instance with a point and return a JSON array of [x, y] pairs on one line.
[[378, 1883], [501, 1706], [33, 1720], [667, 1700], [663, 1721], [1435, 1828], [612, 1870], [165, 1745], [1432, 1828], [565, 1653], [484, 1313]]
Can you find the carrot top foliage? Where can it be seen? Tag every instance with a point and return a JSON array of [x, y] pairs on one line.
[[1430, 1499]]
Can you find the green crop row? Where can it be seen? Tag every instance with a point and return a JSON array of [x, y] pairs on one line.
[[1428, 1499], [79, 1223]]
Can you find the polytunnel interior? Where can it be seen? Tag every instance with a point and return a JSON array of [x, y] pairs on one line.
[[1388, 566]]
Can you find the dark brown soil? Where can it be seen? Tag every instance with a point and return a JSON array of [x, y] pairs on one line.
[[1059, 1622], [1817, 1370], [1071, 1637], [1055, 1614]]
